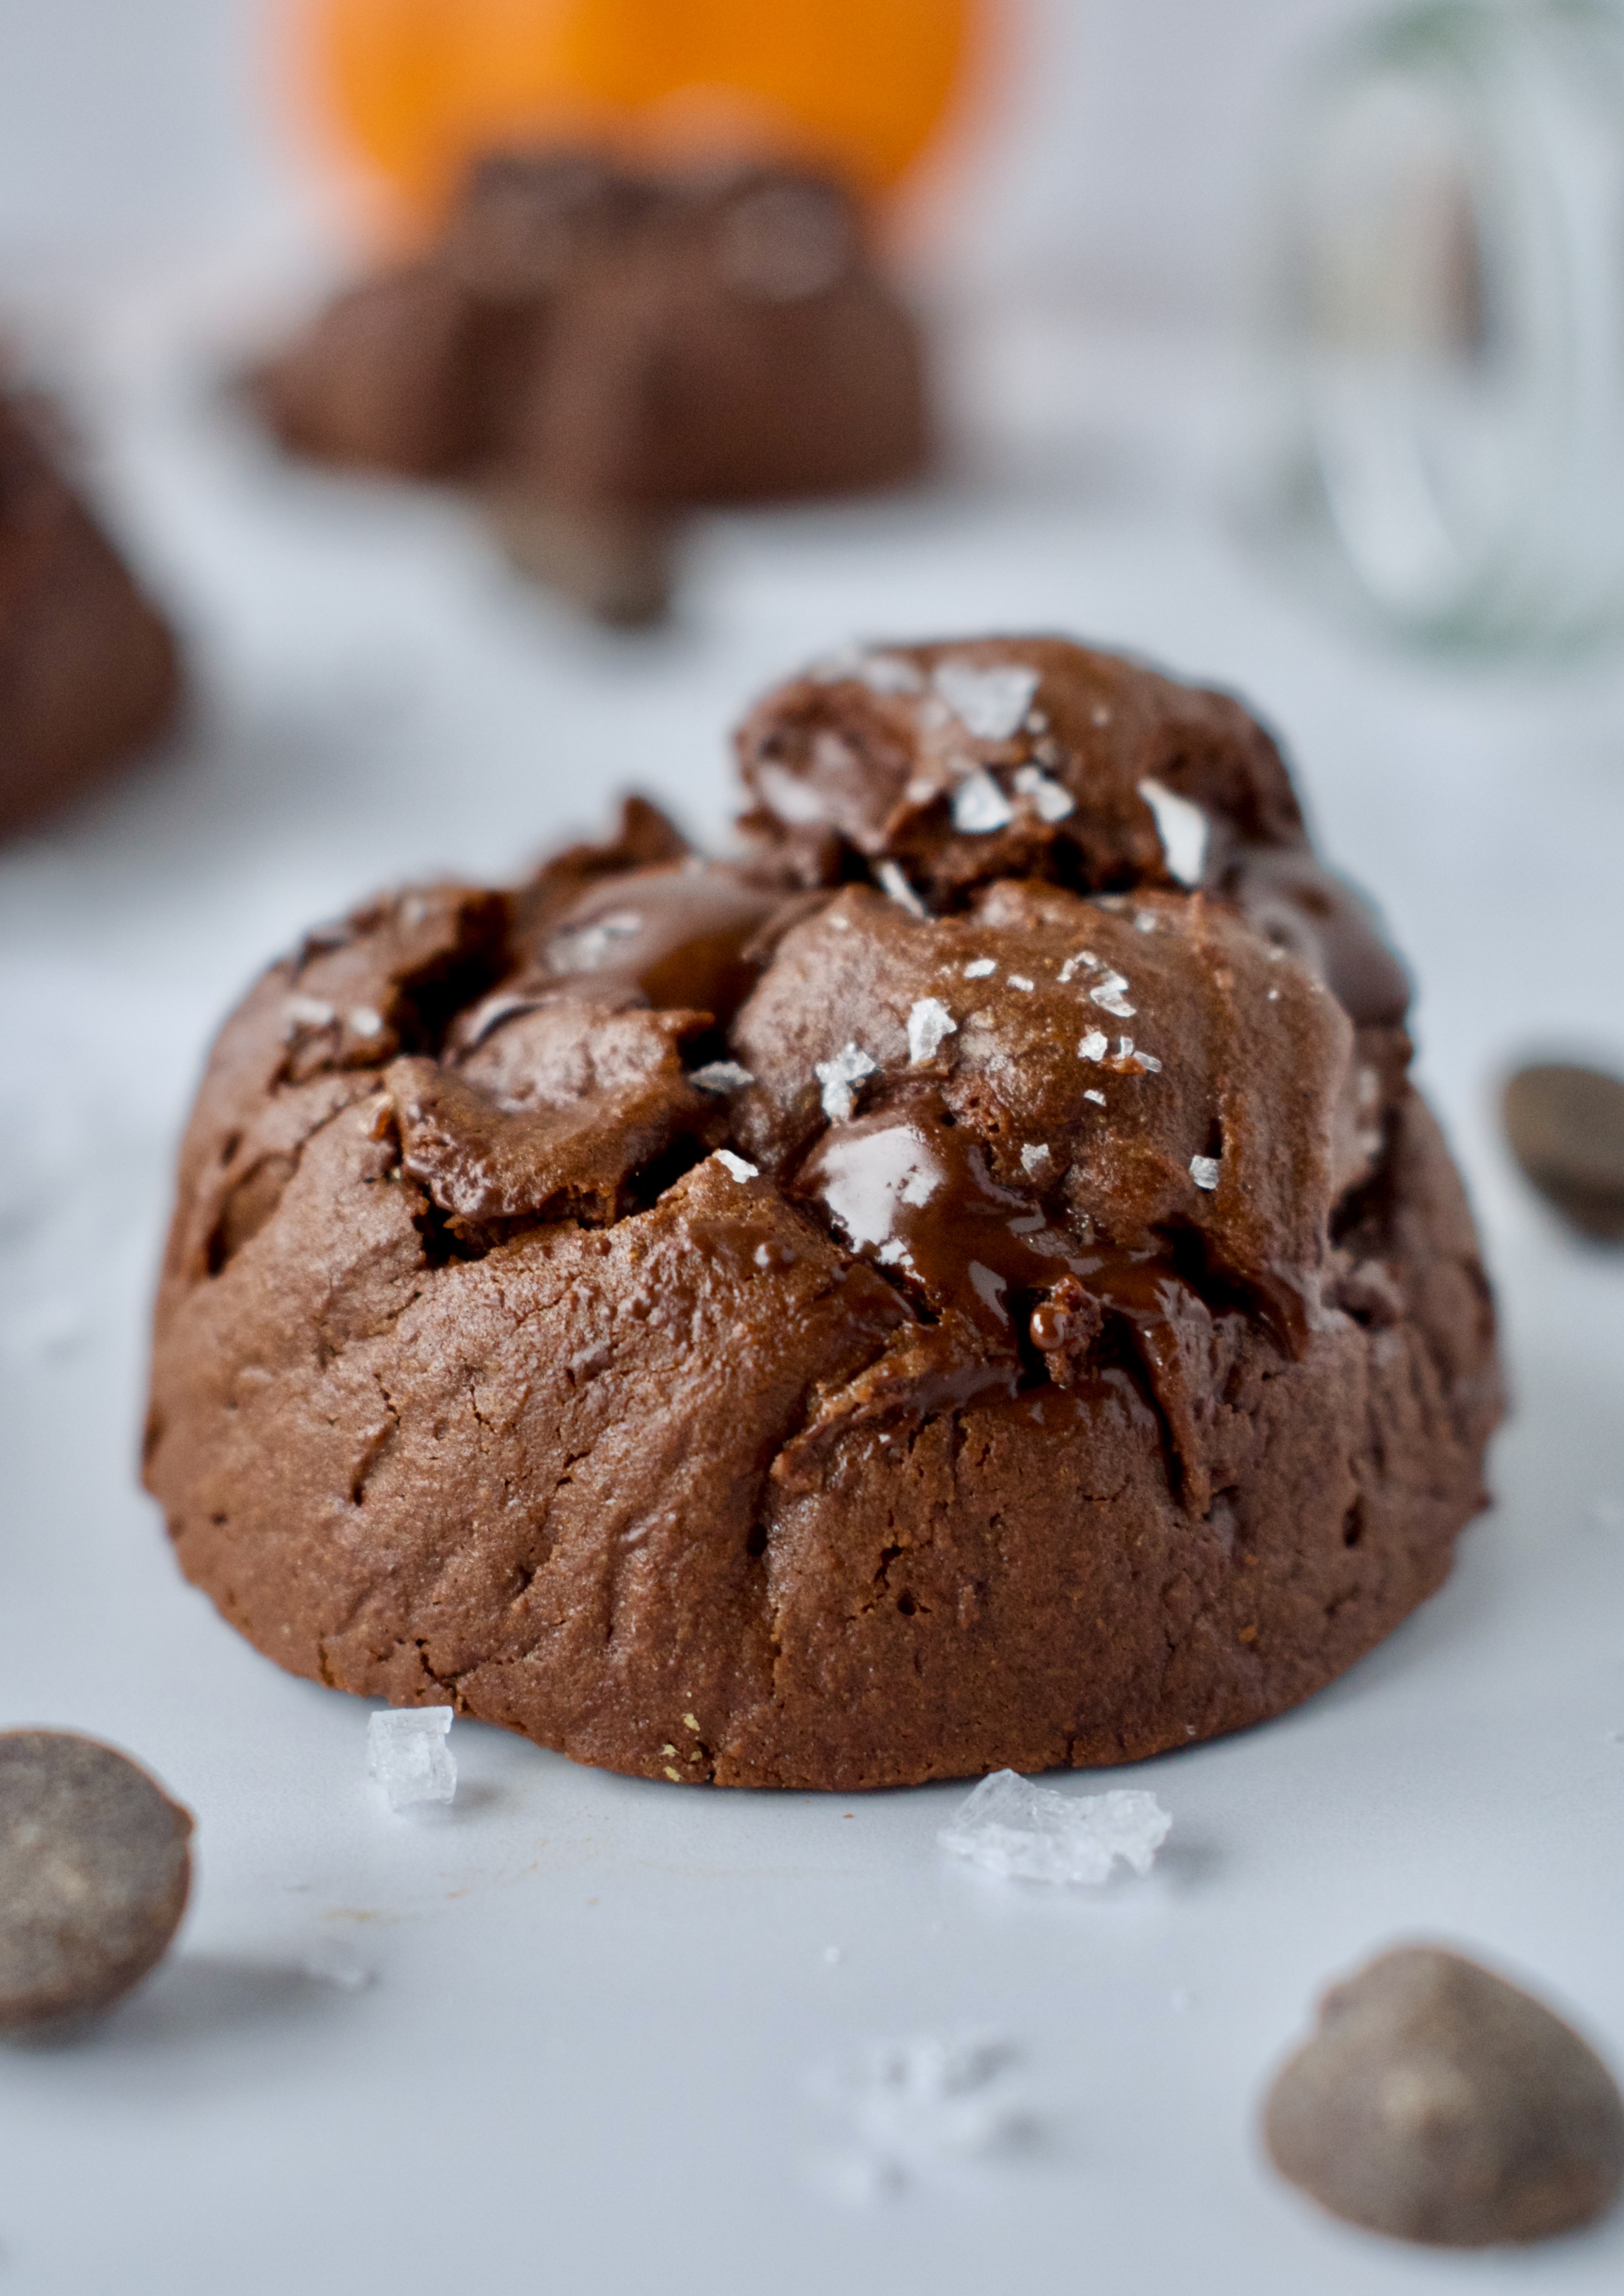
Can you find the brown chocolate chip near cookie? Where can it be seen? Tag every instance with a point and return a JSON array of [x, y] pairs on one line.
[[1438, 2103], [1566, 1128], [94, 1873], [968, 1286]]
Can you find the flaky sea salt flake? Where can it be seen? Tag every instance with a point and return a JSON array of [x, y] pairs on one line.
[[721, 1076], [989, 703], [1204, 1172], [896, 888], [1047, 799], [979, 806], [1183, 829], [1085, 960], [839, 1077], [1108, 995], [407, 1754], [1035, 1156], [306, 1012], [1095, 1045], [741, 1170], [1023, 1831], [929, 1024], [980, 967]]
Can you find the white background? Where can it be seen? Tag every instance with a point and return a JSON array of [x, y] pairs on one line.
[[590, 2054], [1119, 154]]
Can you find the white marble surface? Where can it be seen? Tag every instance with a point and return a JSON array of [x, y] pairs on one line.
[[596, 2049]]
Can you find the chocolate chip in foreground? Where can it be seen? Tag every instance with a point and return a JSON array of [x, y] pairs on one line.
[[93, 1872], [1566, 1128], [1436, 2102]]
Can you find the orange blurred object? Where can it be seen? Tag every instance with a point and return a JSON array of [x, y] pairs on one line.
[[415, 88]]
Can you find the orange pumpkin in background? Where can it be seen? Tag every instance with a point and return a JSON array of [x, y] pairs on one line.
[[416, 86]]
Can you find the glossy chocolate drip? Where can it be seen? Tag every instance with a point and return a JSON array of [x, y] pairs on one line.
[[909, 1189]]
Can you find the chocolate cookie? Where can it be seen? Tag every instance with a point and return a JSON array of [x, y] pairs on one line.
[[88, 672], [594, 351], [585, 335], [969, 1285]]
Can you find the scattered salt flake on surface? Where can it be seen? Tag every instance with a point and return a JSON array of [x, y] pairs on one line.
[[1092, 1094], [979, 806], [741, 1170], [1183, 829], [1108, 995], [989, 703], [1033, 1834], [929, 1024], [1144, 921], [1034, 1156], [364, 1021], [1095, 1045], [1048, 799], [979, 967], [1204, 1172], [407, 1754], [923, 2107], [721, 1076], [838, 1078], [1021, 980], [1084, 957], [331, 1962], [893, 883]]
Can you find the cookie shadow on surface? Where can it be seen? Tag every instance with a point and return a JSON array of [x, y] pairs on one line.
[[194, 2001]]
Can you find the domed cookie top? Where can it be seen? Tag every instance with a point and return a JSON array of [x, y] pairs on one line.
[[966, 1284]]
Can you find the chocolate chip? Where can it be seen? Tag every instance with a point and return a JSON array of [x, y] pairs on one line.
[[1439, 2103], [94, 1873], [1566, 1129]]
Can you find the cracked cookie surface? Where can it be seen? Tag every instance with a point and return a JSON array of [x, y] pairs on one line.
[[918, 1299]]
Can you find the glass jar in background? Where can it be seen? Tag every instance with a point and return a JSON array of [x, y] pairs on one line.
[[1446, 319]]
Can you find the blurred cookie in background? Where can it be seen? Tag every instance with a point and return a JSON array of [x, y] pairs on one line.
[[595, 350], [89, 671]]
